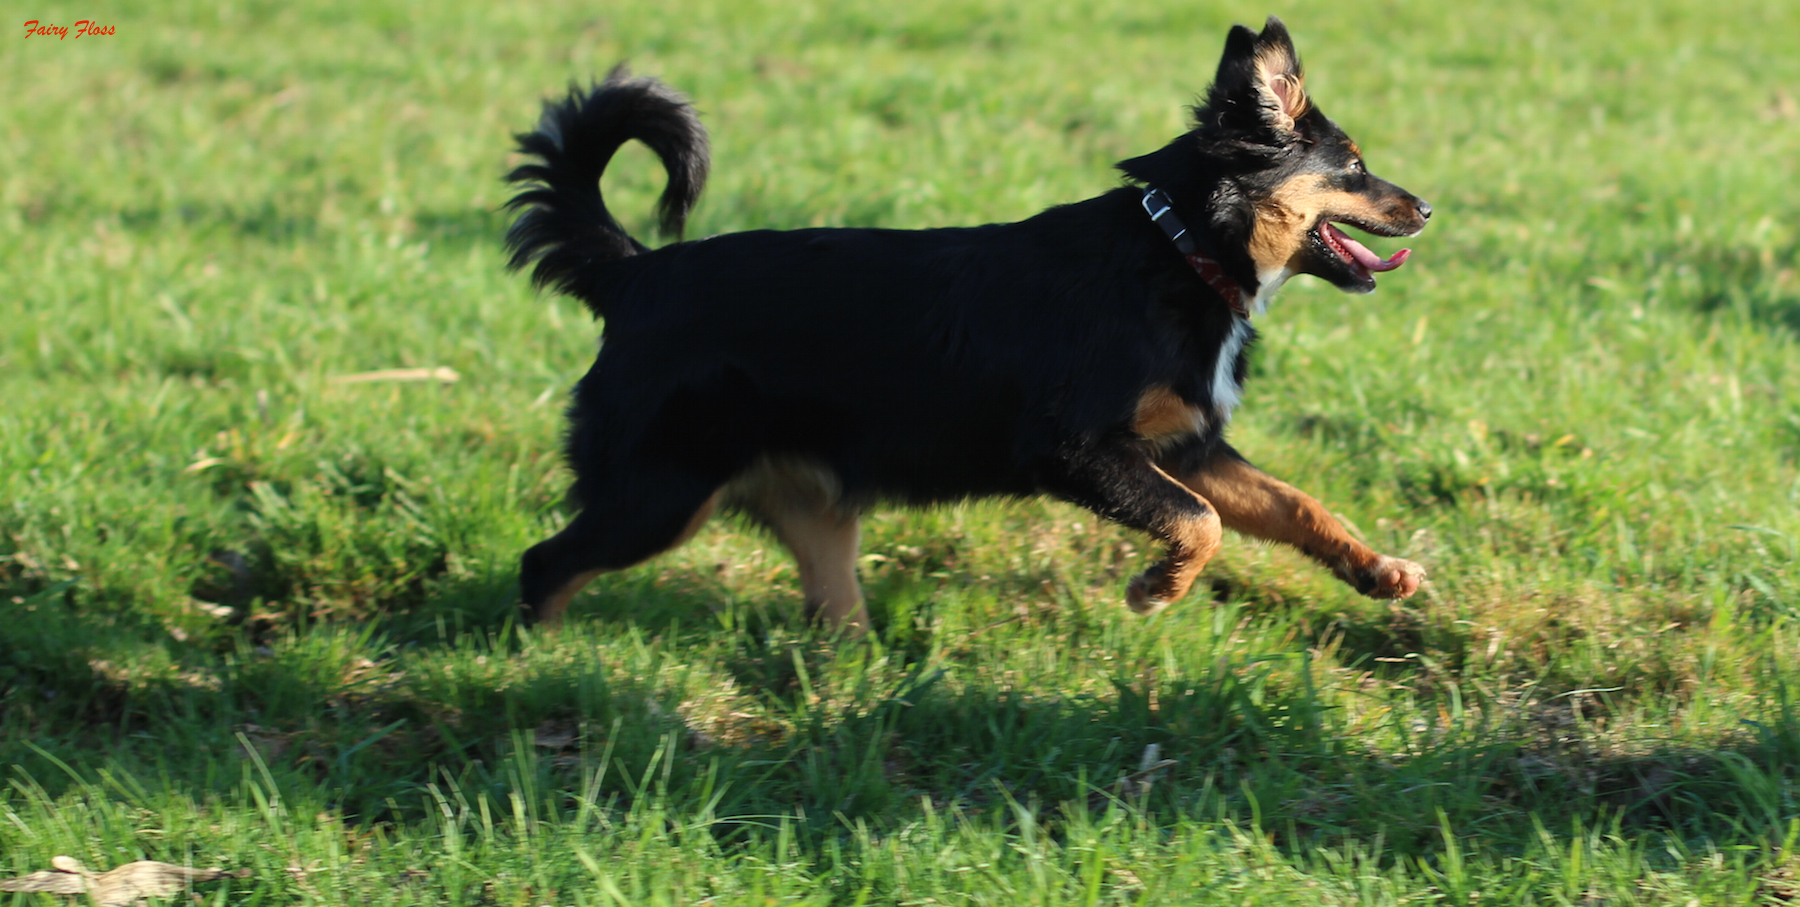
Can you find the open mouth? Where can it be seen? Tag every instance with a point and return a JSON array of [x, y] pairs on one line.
[[1355, 254]]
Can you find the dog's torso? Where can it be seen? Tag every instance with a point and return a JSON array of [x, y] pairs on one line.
[[1011, 341]]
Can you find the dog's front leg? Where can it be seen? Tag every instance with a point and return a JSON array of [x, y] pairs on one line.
[[1119, 482], [1254, 503]]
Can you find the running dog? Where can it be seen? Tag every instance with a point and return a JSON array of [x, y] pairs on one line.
[[1093, 352]]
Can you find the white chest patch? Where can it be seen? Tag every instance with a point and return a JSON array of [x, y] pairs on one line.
[[1268, 283], [1225, 389], [1224, 383]]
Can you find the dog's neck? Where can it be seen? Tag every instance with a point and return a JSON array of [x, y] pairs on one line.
[[1268, 284], [1200, 255]]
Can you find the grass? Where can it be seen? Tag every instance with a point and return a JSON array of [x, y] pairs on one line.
[[257, 617]]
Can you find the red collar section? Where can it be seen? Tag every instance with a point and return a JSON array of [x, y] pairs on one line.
[[1214, 275], [1162, 213]]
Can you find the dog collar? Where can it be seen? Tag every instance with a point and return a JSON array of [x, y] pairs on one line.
[[1162, 213]]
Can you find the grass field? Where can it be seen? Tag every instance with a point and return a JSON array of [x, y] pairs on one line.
[[258, 617]]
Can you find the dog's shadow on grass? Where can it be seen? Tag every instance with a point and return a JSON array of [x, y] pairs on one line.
[[984, 745], [367, 716], [372, 712]]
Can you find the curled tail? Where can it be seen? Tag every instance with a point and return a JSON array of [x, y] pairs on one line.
[[566, 228]]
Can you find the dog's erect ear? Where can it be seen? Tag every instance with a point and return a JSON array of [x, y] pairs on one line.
[[1260, 83], [1279, 75]]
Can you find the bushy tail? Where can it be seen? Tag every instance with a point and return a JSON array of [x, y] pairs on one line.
[[566, 227]]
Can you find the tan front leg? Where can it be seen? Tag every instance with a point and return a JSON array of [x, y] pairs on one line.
[[1193, 535], [1254, 503], [825, 543]]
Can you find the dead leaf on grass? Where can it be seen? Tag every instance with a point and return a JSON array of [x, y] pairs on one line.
[[118, 887]]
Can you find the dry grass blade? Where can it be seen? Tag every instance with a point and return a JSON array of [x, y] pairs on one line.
[[443, 374]]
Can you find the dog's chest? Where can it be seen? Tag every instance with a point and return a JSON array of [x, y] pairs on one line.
[[1164, 415], [1224, 388]]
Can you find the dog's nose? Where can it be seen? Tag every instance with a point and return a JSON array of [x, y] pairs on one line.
[[1424, 209]]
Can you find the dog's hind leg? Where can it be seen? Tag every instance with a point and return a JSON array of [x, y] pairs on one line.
[[1119, 482], [825, 542], [801, 502], [612, 532], [1252, 502]]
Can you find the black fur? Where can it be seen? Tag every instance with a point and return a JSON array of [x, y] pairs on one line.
[[915, 366], [566, 225]]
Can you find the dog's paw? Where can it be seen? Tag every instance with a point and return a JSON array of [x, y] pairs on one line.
[[1392, 577], [1140, 597]]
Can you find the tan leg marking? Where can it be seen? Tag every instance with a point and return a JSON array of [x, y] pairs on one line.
[[825, 543], [1193, 540], [799, 500], [1252, 502], [697, 520], [551, 614]]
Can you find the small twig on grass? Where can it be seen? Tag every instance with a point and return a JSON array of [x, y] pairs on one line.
[[1136, 785], [999, 623]]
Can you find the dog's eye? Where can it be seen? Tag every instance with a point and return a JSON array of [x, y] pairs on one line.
[[1356, 165]]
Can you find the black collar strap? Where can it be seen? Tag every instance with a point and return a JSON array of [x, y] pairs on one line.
[[1162, 213]]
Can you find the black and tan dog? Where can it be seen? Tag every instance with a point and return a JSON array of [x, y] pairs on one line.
[[1093, 352]]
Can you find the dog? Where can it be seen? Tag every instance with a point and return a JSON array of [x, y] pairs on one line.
[[1093, 352]]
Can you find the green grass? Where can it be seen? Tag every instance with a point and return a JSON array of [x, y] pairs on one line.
[[1579, 406]]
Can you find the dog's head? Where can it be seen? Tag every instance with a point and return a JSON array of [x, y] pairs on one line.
[[1277, 175], [1317, 179]]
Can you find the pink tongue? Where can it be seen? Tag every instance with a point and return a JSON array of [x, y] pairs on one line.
[[1365, 257]]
